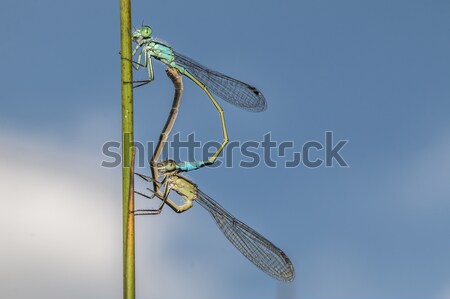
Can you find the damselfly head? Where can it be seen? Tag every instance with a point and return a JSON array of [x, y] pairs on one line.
[[166, 166], [141, 34]]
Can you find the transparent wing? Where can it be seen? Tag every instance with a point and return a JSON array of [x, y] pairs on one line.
[[252, 245], [231, 90]]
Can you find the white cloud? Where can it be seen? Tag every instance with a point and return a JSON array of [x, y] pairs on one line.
[[58, 223], [444, 293], [61, 232]]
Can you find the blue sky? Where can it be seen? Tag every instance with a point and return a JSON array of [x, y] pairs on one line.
[[375, 73]]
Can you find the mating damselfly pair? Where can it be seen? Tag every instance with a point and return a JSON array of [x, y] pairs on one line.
[[260, 251]]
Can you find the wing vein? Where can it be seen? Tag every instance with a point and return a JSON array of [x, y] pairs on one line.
[[229, 89], [257, 249]]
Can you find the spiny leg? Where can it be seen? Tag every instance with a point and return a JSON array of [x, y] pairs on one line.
[[157, 185], [155, 182], [158, 194], [137, 65], [149, 65], [175, 207], [157, 211], [164, 197]]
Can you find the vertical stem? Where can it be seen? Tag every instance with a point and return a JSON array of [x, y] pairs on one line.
[[127, 149], [129, 283]]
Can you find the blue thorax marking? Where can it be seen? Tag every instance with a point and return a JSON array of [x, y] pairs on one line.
[[161, 51]]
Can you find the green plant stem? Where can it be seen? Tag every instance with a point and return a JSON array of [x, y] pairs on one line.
[[127, 150]]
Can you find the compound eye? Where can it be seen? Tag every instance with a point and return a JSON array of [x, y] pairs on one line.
[[146, 31]]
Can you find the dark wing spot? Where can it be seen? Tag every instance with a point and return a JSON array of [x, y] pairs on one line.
[[255, 90]]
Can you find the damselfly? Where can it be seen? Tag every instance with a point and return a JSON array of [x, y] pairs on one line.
[[231, 90], [257, 249]]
